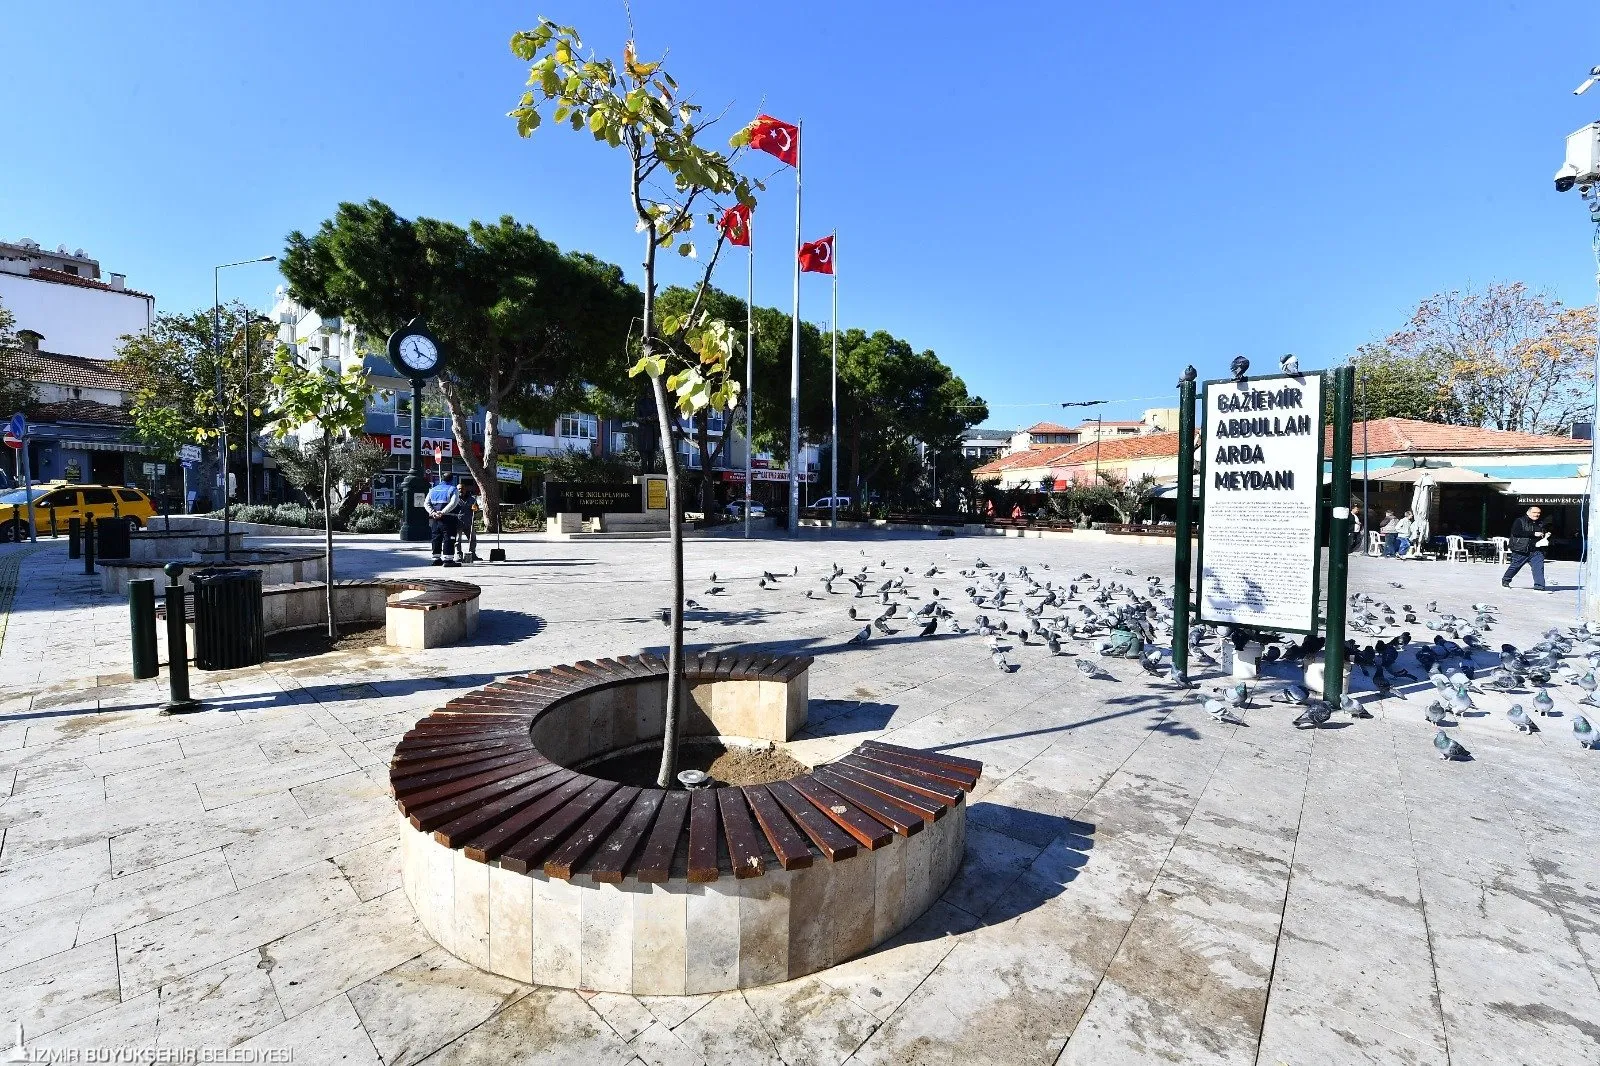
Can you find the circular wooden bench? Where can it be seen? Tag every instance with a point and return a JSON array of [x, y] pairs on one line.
[[522, 864], [417, 612]]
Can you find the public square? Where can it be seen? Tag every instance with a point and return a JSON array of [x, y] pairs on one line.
[[1141, 883]]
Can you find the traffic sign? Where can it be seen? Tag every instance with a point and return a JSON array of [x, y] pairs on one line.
[[189, 456], [18, 427], [12, 441]]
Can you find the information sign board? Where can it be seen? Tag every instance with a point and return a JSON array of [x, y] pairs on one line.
[[589, 500], [1261, 480]]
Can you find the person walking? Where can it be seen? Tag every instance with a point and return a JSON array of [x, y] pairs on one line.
[[443, 503], [1356, 531], [1530, 536]]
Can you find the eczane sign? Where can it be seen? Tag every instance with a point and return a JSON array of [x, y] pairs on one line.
[[1261, 476]]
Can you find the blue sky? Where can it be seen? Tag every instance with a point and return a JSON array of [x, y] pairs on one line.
[[1066, 201]]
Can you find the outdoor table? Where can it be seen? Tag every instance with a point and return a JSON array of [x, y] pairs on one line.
[[1484, 550]]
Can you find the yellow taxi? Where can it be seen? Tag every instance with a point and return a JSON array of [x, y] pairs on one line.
[[62, 500]]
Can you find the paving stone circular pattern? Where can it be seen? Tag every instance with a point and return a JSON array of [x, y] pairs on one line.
[[527, 868]]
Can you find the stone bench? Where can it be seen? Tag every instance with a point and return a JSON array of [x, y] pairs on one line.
[[278, 566], [522, 864], [417, 613]]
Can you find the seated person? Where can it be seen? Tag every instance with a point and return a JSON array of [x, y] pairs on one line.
[[1403, 530]]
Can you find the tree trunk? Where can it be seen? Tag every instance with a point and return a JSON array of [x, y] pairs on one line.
[[327, 540], [669, 732], [482, 469]]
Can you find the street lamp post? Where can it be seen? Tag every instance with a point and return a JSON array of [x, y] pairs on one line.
[[1099, 426], [249, 441], [222, 413]]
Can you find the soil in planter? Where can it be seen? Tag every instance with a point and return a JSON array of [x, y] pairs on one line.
[[726, 766], [299, 643]]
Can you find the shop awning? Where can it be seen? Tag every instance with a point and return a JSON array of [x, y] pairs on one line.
[[1442, 475], [1548, 490], [101, 446]]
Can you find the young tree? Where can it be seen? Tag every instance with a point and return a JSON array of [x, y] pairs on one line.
[[16, 394], [355, 462], [528, 330], [1128, 496], [1518, 360], [636, 106], [335, 405], [172, 374]]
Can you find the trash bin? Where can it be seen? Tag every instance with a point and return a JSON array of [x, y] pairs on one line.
[[228, 629], [111, 538]]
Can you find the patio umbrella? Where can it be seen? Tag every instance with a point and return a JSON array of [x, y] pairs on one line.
[[1421, 501]]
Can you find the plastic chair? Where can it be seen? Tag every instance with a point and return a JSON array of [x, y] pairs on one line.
[[1374, 542], [1455, 548], [1502, 548]]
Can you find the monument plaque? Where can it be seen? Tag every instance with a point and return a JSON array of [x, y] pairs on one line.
[[1261, 479], [589, 500]]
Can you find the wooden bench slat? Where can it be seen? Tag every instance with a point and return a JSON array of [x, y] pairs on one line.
[[530, 851], [926, 809], [703, 836], [743, 668], [954, 778], [608, 863], [739, 833], [473, 822], [902, 821], [724, 668], [970, 766], [412, 754], [868, 831], [832, 841], [786, 841], [429, 816], [589, 836], [411, 799], [404, 786], [922, 784], [489, 843], [655, 860], [794, 668]]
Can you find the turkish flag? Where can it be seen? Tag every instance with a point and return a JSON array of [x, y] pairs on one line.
[[817, 257], [776, 138], [735, 223]]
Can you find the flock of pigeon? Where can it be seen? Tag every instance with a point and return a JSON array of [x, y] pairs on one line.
[[1089, 618]]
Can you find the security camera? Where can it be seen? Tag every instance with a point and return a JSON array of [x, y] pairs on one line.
[[1582, 166]]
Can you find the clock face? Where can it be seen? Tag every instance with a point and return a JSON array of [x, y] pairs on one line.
[[418, 352]]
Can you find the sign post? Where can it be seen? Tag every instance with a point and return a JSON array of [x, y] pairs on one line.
[[1262, 444], [417, 355], [18, 430], [1183, 566]]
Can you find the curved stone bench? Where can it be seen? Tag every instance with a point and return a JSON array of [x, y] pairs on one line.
[[277, 565], [417, 613], [526, 867]]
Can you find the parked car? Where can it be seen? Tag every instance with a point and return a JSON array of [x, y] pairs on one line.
[[826, 503], [63, 500], [735, 509]]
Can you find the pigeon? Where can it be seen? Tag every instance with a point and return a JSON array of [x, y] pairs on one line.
[[713, 577], [1449, 749], [1436, 713], [1088, 669], [853, 616], [715, 590], [1353, 707], [1584, 732], [1314, 716], [1240, 367], [1150, 660], [1219, 711], [761, 582], [882, 627], [692, 605], [1295, 694], [1290, 364], [927, 630], [1520, 720], [863, 635], [1000, 661], [666, 616], [1542, 701], [768, 576]]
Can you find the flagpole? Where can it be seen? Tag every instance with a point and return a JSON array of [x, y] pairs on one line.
[[794, 355], [833, 448], [749, 362]]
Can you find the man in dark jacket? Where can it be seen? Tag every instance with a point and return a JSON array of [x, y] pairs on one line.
[[1529, 538]]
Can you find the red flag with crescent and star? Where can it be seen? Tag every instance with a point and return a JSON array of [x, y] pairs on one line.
[[735, 223], [776, 137], [817, 257]]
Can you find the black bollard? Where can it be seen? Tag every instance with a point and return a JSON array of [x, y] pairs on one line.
[[54, 533], [88, 546], [74, 528], [142, 624], [177, 644]]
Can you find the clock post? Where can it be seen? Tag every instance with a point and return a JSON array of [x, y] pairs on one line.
[[416, 354]]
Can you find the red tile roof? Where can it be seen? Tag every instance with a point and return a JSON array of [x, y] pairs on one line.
[[1405, 436], [1047, 427], [1111, 450], [86, 412], [52, 368], [62, 277]]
